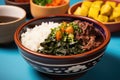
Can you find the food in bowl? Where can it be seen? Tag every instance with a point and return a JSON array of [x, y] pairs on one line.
[[113, 25], [55, 64], [102, 11], [49, 2], [10, 18], [4, 19], [53, 8], [65, 38]]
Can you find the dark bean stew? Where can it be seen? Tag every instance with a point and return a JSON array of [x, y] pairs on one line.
[[4, 19]]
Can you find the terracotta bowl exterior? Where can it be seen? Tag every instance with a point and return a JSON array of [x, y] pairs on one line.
[[7, 29], [40, 11], [113, 26], [24, 5], [62, 65]]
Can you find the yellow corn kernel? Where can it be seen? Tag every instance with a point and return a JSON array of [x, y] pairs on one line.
[[106, 9], [94, 9], [77, 11], [83, 11], [111, 18], [111, 3], [102, 18], [116, 12], [86, 3], [117, 19], [97, 4], [93, 12], [118, 5]]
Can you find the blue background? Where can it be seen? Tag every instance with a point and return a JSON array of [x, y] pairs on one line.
[[14, 67]]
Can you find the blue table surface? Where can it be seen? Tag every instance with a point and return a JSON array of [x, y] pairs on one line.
[[14, 67]]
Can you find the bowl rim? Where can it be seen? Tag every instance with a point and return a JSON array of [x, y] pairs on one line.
[[50, 7], [103, 45], [19, 19], [16, 3], [79, 3]]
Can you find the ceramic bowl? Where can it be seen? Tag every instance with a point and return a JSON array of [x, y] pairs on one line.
[[40, 11], [62, 65], [24, 5], [7, 29], [113, 26]]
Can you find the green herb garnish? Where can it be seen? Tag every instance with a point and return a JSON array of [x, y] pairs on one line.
[[66, 45], [42, 2]]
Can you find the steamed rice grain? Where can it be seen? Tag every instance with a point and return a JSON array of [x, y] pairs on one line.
[[33, 37]]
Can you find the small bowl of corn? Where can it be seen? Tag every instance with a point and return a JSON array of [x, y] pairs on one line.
[[105, 11]]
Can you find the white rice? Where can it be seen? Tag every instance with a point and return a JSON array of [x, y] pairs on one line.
[[33, 37]]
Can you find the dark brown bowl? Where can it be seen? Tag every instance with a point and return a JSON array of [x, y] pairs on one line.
[[24, 5], [62, 65], [113, 26]]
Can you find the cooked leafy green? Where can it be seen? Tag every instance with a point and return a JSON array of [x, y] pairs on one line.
[[71, 38], [66, 45], [42, 2]]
